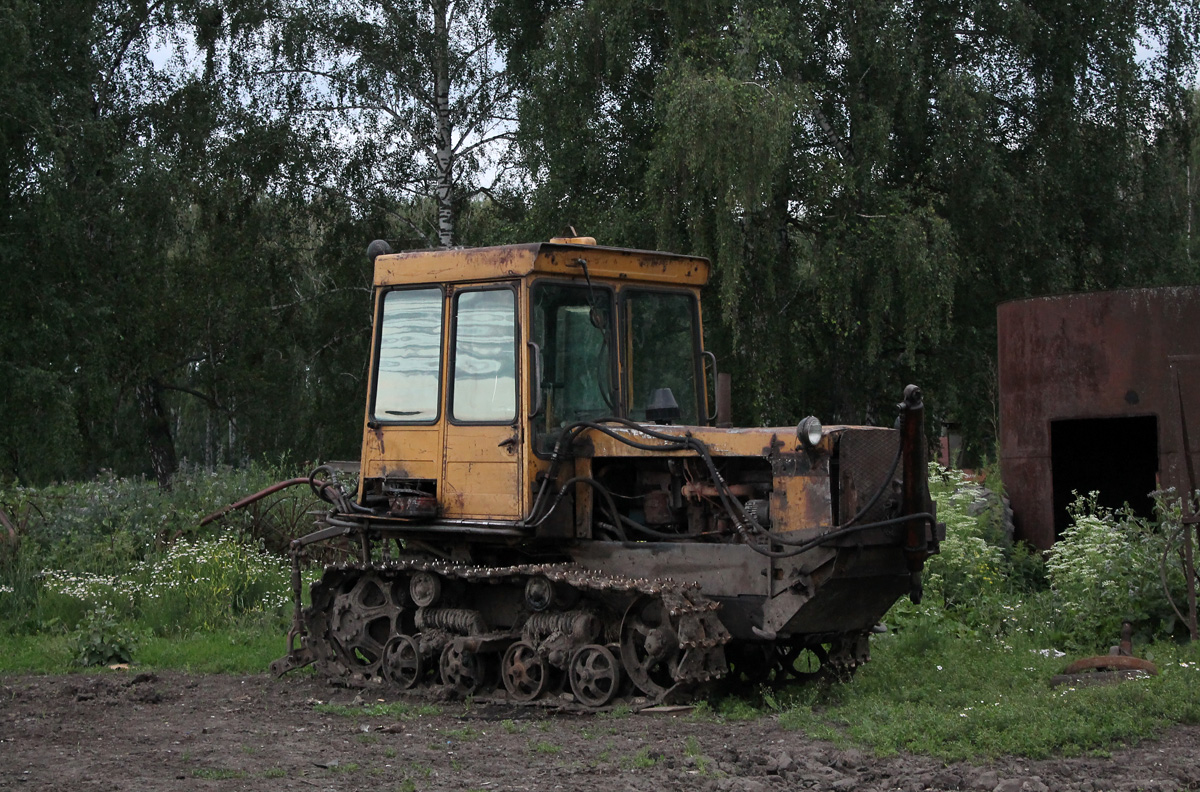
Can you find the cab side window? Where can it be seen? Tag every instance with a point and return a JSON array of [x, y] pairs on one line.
[[410, 356], [485, 371]]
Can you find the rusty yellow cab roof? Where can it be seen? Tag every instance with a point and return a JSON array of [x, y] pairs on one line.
[[457, 265]]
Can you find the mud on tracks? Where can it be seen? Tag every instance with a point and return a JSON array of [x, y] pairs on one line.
[[157, 731]]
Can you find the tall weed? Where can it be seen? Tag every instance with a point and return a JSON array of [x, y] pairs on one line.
[[139, 552], [1106, 569], [192, 585]]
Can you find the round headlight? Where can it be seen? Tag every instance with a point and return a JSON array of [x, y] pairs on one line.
[[809, 431]]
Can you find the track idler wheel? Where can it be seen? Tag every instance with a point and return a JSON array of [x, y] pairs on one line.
[[403, 665], [464, 670], [525, 673], [594, 674]]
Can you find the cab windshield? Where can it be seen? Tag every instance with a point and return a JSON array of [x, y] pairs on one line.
[[662, 351], [573, 336], [572, 331]]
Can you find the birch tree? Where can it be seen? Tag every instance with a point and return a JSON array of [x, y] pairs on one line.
[[415, 92]]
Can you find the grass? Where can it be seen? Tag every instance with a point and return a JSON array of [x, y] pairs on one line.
[[618, 711], [235, 651], [642, 760], [462, 735], [734, 708], [543, 747], [35, 654], [968, 699], [217, 773], [231, 651]]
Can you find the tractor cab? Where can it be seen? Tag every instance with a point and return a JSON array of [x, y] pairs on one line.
[[482, 357]]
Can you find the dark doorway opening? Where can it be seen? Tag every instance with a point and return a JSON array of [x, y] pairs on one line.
[[1117, 457]]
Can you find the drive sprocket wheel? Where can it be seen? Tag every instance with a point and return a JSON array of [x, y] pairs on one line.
[[807, 663], [364, 616]]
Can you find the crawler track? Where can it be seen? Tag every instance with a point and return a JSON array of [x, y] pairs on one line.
[[527, 632]]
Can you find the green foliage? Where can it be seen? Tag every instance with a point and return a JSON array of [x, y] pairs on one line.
[[1105, 569], [979, 584], [868, 182], [965, 674], [102, 640], [969, 563], [928, 691], [135, 550], [191, 585], [201, 585], [107, 524]]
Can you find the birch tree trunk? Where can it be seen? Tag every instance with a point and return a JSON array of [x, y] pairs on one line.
[[444, 128]]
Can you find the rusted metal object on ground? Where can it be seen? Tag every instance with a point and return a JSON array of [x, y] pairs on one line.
[[1088, 400], [547, 511], [1116, 666], [256, 497]]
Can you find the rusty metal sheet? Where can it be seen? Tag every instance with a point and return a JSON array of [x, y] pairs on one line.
[[720, 569], [800, 502], [506, 261], [1098, 355], [755, 442], [633, 265], [482, 472], [455, 265], [866, 460], [403, 452]]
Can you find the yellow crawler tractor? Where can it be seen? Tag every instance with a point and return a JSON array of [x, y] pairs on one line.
[[550, 501]]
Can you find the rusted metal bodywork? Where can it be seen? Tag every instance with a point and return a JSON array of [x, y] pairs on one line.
[[1091, 356], [570, 537]]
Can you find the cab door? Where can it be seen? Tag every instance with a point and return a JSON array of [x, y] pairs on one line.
[[402, 441], [483, 443]]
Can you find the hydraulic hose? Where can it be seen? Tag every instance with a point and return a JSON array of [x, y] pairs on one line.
[[731, 505]]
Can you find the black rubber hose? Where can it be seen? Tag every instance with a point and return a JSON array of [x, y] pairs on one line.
[[817, 541], [730, 503]]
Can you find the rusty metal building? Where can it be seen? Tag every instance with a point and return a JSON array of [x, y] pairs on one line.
[[1091, 388]]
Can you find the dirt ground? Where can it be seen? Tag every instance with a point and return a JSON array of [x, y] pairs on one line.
[[127, 731]]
